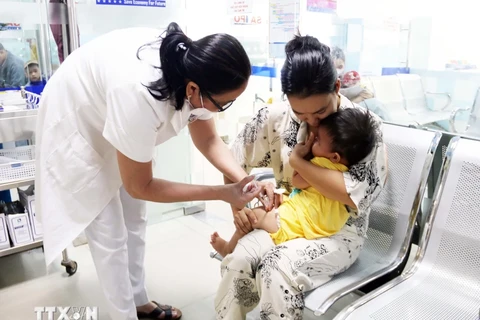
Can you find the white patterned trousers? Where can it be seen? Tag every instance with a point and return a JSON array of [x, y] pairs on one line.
[[278, 276]]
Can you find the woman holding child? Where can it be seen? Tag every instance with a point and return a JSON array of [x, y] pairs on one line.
[[276, 277]]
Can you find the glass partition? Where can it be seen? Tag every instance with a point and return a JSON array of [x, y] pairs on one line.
[[28, 54]]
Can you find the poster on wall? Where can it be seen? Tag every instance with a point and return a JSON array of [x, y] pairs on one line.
[[247, 19], [10, 26], [134, 3], [284, 18], [326, 6], [240, 6]]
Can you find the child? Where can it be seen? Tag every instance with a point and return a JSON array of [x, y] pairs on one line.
[[343, 139], [35, 82]]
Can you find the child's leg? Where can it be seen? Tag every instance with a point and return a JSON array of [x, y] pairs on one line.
[[265, 220]]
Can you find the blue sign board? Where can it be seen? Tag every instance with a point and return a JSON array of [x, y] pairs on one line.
[[263, 71], [135, 3]]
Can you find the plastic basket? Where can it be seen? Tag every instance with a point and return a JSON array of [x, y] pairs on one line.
[[30, 101], [23, 169], [33, 100], [19, 153]]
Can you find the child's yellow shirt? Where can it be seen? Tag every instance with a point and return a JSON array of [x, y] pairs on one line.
[[309, 214]]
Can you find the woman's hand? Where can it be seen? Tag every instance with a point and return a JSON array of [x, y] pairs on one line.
[[244, 219], [240, 193], [300, 151], [266, 196]]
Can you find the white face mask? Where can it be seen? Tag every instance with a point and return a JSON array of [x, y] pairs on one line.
[[198, 111], [191, 105], [340, 72]]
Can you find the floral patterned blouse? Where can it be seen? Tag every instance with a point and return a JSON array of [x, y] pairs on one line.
[[267, 142]]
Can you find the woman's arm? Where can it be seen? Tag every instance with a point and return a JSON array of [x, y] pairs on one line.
[[207, 141], [249, 151], [358, 187], [298, 181], [138, 181], [328, 182]]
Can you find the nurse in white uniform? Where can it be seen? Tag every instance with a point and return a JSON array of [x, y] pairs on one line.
[[102, 114]]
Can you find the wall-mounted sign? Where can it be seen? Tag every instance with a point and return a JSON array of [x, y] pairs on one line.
[[240, 6], [284, 19], [10, 26], [247, 19], [134, 3], [327, 6]]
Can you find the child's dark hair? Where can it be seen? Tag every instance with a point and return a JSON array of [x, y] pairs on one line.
[[217, 63], [353, 132]]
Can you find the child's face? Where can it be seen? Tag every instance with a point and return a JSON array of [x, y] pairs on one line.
[[33, 73], [322, 147]]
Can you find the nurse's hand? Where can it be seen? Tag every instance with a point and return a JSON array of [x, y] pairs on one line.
[[239, 194]]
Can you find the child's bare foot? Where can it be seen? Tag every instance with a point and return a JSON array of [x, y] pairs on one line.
[[219, 244]]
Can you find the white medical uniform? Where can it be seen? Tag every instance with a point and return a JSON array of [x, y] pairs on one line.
[[95, 104]]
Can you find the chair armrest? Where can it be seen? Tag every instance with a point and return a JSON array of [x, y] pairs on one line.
[[449, 99], [453, 115]]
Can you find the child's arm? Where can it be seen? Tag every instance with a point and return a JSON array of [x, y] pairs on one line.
[[298, 181]]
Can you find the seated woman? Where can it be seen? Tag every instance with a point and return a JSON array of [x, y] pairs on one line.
[[344, 138], [277, 277]]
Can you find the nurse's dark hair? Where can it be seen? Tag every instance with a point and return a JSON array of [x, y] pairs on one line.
[[216, 63], [308, 68]]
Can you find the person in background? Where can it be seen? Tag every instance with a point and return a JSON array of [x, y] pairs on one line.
[[11, 69], [354, 92], [34, 75], [339, 61], [352, 87]]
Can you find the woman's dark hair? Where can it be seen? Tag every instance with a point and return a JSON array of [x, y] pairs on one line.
[[308, 68], [216, 63]]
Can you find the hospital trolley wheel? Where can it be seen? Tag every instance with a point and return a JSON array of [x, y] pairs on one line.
[[71, 268]]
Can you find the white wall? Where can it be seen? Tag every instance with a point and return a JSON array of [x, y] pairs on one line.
[[95, 20]]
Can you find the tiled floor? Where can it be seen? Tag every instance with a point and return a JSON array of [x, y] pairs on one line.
[[179, 272]]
